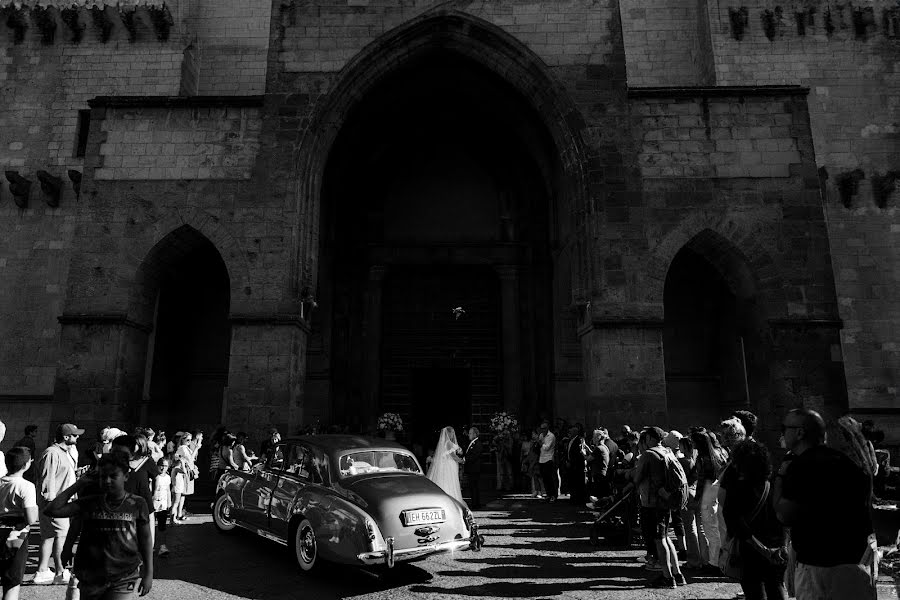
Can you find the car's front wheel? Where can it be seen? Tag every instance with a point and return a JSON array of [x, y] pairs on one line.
[[223, 514], [306, 549]]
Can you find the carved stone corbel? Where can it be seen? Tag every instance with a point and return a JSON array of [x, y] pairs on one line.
[[75, 178], [17, 21], [45, 19], [162, 21], [51, 185], [19, 187], [102, 21], [70, 17]]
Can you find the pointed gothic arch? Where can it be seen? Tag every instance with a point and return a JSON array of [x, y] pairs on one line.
[[491, 47], [182, 292], [716, 340]]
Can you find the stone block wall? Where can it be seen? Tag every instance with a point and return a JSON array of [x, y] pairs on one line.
[[667, 43], [848, 55], [155, 143], [232, 43], [42, 88]]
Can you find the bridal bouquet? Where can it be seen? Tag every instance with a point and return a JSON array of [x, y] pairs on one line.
[[390, 422]]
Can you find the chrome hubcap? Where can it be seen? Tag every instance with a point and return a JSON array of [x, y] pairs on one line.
[[225, 512], [307, 545]]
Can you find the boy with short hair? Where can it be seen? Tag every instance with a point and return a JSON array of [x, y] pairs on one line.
[[18, 511], [115, 551]]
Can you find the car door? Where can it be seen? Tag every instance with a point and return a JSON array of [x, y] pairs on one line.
[[257, 494], [302, 470]]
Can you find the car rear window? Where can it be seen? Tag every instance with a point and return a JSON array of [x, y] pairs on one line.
[[377, 461]]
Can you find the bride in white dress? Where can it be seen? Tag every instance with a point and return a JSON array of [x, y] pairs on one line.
[[444, 469]]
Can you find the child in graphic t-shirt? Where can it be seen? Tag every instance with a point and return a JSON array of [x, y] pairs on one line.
[[18, 511], [115, 551], [162, 502]]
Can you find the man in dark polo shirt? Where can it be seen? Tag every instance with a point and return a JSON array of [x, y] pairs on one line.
[[824, 498]]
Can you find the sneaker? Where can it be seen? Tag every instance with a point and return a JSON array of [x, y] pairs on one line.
[[163, 551], [63, 577], [43, 577], [679, 579], [662, 582], [594, 499]]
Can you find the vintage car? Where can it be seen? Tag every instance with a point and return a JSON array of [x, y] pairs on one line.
[[344, 499]]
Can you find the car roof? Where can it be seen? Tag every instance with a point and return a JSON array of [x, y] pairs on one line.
[[334, 443]]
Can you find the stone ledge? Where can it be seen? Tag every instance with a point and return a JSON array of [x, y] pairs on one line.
[[274, 319], [102, 319], [718, 91], [4, 398], [646, 323], [807, 323], [174, 101]]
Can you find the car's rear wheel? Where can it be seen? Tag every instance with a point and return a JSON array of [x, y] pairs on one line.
[[223, 514], [306, 549]]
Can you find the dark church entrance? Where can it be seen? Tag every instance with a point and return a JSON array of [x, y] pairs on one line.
[[713, 336], [189, 346], [438, 195], [441, 361]]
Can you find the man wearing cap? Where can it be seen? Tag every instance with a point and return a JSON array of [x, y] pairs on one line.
[[56, 472]]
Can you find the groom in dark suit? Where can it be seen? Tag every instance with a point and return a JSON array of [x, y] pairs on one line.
[[472, 466]]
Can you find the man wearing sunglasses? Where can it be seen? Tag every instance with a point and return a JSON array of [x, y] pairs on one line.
[[56, 472], [824, 498]]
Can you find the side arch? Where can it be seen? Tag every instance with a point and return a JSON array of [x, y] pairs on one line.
[[173, 237], [448, 29], [734, 247]]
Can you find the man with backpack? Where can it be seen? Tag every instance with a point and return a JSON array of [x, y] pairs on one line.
[[662, 486]]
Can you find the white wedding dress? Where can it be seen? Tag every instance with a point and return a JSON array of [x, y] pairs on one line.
[[444, 470]]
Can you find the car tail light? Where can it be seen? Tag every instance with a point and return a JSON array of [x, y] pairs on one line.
[[371, 531]]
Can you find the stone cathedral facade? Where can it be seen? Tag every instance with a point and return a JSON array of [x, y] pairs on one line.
[[258, 212]]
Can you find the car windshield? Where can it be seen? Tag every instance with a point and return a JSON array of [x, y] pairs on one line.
[[377, 461]]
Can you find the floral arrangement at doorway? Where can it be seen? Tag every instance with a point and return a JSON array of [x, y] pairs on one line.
[[390, 422], [504, 425]]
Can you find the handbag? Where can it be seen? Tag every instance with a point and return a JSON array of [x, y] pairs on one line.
[[730, 561]]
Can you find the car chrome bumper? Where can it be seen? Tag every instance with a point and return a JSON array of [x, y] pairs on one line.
[[383, 557]]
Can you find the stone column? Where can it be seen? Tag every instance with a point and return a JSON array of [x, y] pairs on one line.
[[266, 374], [100, 373], [807, 368], [512, 343], [625, 370], [372, 332]]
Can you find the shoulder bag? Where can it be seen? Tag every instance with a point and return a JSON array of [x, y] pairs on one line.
[[730, 561]]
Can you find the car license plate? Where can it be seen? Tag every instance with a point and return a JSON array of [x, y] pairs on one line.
[[423, 516]]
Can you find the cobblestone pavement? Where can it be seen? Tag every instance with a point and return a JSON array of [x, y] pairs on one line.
[[534, 550]]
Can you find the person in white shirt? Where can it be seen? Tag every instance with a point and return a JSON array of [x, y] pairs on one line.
[[18, 511], [546, 462]]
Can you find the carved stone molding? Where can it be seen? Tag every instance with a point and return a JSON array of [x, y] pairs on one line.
[[111, 318]]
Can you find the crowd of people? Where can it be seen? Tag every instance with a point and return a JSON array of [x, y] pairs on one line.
[[707, 502], [116, 502], [712, 502]]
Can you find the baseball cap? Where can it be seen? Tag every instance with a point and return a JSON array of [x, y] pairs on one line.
[[69, 429]]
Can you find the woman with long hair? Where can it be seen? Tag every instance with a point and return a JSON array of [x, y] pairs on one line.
[[694, 538], [712, 458], [444, 470], [750, 516]]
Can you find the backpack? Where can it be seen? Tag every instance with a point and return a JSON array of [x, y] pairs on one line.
[[674, 493]]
